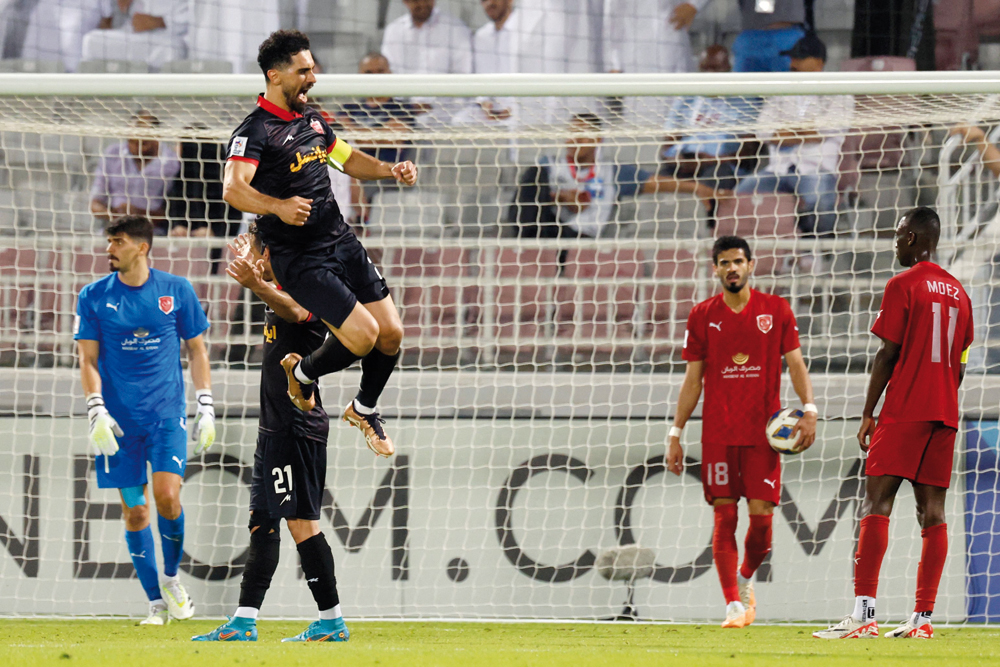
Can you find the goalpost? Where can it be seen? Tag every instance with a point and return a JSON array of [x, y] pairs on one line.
[[530, 407]]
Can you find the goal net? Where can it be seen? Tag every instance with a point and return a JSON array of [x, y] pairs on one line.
[[544, 304]]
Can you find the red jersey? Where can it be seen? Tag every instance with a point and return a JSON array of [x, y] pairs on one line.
[[926, 312], [743, 361]]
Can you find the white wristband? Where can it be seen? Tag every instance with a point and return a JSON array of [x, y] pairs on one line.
[[95, 398], [675, 432], [204, 396], [810, 407]]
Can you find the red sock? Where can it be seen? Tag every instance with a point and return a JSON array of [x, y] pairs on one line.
[[724, 550], [757, 544], [871, 549], [932, 555]]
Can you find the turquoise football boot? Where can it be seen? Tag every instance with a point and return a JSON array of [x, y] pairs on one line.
[[234, 630], [323, 631]]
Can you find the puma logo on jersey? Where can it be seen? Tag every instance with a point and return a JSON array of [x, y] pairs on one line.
[[139, 555], [769, 482], [180, 464], [113, 306], [717, 325], [287, 139]]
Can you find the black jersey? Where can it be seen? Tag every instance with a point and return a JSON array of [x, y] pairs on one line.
[[290, 151], [277, 414]]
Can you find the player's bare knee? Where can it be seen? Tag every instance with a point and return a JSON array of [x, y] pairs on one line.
[[168, 504], [136, 518], [302, 529], [390, 338]]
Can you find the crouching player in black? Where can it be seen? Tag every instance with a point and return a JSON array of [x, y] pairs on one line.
[[289, 466]]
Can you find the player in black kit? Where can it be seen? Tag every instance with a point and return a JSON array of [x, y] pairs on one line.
[[289, 464], [277, 168]]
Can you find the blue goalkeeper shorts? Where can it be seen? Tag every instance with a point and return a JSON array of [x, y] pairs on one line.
[[163, 444]]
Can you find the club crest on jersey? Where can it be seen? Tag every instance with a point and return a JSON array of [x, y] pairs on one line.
[[316, 125], [764, 323], [167, 304]]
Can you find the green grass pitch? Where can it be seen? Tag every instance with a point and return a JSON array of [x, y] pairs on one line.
[[120, 643]]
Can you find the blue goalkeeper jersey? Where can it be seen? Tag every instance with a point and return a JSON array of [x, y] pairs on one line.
[[140, 331]]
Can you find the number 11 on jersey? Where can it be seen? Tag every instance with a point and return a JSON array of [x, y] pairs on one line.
[[936, 334]]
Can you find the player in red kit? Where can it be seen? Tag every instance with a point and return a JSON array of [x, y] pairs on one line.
[[733, 345], [925, 323]]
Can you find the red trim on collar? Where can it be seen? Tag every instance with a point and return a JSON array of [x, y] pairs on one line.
[[276, 110]]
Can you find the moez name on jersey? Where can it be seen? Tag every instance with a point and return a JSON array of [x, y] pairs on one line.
[[941, 287]]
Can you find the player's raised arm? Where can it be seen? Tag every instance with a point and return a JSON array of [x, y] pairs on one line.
[[238, 193], [686, 403], [364, 167], [805, 428], [248, 268], [882, 367]]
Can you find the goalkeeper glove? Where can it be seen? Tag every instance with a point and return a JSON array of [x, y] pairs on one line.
[[204, 421], [103, 428]]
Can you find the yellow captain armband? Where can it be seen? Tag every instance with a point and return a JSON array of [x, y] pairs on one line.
[[965, 356], [338, 154]]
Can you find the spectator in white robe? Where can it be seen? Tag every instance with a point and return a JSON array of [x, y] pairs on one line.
[[156, 33]]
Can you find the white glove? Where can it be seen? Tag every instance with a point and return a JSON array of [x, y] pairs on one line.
[[204, 421], [103, 428]]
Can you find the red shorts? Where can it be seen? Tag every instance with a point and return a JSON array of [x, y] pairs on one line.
[[735, 472], [921, 452]]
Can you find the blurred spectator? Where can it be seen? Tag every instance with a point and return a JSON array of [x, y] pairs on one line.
[[155, 34], [574, 195], [974, 137], [53, 30], [697, 148], [804, 157], [428, 40], [133, 176], [570, 34], [194, 200], [375, 114], [231, 30], [649, 35], [769, 28], [496, 50]]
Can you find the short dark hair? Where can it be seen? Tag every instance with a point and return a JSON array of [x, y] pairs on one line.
[[136, 227], [924, 221], [591, 119], [255, 240], [724, 243], [279, 48]]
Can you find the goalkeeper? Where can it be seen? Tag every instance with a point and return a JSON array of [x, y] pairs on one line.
[[129, 327]]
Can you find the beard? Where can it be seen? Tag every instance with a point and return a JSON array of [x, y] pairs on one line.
[[294, 102], [735, 287]]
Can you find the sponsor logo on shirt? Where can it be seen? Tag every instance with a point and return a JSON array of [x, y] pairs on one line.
[[317, 153], [141, 332], [239, 147], [764, 323], [740, 358], [717, 325], [166, 304]]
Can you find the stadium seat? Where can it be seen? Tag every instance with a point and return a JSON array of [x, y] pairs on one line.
[[602, 304], [671, 300], [197, 67], [189, 261], [756, 216], [524, 299], [113, 67], [17, 289], [413, 213], [27, 66], [663, 216]]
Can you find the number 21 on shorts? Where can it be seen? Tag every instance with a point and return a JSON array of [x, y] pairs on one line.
[[721, 471], [280, 477]]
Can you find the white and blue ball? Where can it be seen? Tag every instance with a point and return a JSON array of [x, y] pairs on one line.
[[779, 430]]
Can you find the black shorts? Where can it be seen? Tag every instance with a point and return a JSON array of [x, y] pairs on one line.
[[328, 283], [289, 474]]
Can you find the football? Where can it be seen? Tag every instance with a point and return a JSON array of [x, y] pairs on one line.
[[780, 427]]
